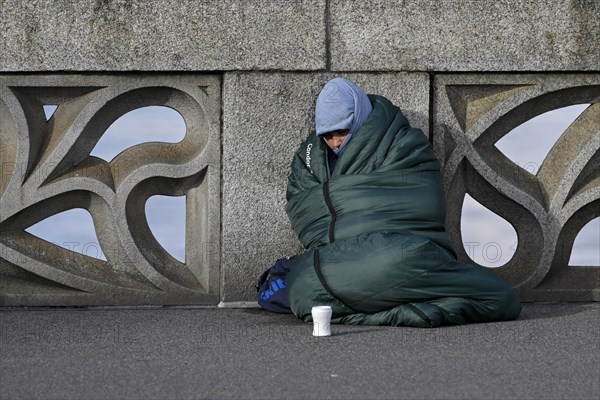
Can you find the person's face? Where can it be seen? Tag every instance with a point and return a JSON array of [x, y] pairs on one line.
[[334, 139]]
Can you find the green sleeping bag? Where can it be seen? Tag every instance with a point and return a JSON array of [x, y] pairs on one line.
[[377, 250]]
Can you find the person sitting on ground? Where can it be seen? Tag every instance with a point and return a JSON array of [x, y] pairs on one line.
[[365, 198]]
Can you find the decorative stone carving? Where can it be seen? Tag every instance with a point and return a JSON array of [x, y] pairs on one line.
[[471, 113], [46, 168]]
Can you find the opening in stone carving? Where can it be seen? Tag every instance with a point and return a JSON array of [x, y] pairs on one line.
[[73, 230], [146, 124], [528, 144], [49, 110], [166, 219], [586, 248], [488, 239]]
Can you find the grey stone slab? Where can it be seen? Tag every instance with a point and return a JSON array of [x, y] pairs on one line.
[[161, 35], [449, 35], [550, 352], [47, 169], [265, 118], [472, 112]]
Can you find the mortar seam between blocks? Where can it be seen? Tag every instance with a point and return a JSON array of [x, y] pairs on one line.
[[328, 35]]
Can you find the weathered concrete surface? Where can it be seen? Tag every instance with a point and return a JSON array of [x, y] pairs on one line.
[[449, 35], [472, 112], [176, 35], [551, 352], [188, 35], [265, 118], [48, 169]]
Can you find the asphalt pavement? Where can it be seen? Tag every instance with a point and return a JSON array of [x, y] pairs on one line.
[[551, 352]]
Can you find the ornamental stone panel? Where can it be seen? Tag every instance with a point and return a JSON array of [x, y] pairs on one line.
[[47, 169], [547, 210]]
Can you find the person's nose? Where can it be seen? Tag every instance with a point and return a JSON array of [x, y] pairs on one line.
[[338, 141]]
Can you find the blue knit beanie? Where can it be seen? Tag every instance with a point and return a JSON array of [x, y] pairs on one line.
[[341, 105]]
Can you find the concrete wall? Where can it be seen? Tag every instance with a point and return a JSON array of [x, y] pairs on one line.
[[450, 65], [310, 35]]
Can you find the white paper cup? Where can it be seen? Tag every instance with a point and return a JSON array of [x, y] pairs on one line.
[[321, 320]]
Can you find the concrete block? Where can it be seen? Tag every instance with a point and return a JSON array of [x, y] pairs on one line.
[[472, 112], [165, 35], [449, 35], [265, 118], [47, 169]]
